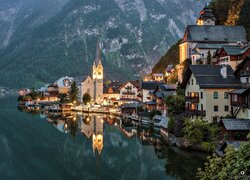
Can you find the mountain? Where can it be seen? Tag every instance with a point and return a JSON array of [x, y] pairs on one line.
[[41, 41]]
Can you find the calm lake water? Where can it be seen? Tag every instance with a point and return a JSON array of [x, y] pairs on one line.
[[81, 146]]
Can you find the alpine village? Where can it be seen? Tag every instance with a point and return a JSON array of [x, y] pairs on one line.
[[199, 104]]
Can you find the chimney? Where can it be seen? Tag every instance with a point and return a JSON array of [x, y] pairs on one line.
[[223, 70]]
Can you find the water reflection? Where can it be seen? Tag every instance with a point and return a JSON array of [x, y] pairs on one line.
[[124, 138]]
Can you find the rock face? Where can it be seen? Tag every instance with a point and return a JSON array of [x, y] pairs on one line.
[[43, 40]]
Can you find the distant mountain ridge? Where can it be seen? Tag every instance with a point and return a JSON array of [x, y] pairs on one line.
[[41, 41]]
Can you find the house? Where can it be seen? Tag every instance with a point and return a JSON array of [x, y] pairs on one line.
[[232, 55], [160, 93], [156, 96], [235, 129], [158, 77], [146, 88], [243, 72], [111, 93], [169, 70], [23, 92], [207, 90], [131, 108], [240, 98], [130, 91], [206, 38], [63, 84]]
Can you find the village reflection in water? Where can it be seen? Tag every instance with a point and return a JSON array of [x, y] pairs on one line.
[[101, 130]]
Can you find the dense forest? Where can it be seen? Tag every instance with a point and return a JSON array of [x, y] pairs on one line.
[[227, 12]]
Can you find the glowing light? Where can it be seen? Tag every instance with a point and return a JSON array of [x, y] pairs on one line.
[[102, 121]]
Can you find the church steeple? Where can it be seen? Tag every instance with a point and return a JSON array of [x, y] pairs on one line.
[[97, 64], [98, 58], [206, 17]]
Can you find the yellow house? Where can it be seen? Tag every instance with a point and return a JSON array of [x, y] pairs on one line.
[[207, 91]]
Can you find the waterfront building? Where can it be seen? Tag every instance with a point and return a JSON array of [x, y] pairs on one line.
[[158, 77], [63, 84], [130, 91], [207, 91], [92, 84]]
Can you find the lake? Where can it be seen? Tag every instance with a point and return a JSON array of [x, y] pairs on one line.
[[36, 145]]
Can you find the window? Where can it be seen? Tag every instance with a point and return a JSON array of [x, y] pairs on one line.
[[226, 108], [247, 80], [216, 109], [225, 95], [216, 95], [202, 107], [201, 95], [192, 82], [234, 98]]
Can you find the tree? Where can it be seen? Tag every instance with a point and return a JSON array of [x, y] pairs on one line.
[[199, 130], [86, 98], [175, 104], [73, 92], [234, 164], [209, 58], [63, 97]]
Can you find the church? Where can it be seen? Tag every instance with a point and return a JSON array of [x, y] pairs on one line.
[[92, 84]]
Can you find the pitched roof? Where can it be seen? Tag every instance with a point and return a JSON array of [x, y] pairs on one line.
[[135, 83], [239, 68], [239, 91], [80, 79], [211, 33], [235, 50], [208, 46], [206, 13], [236, 124], [208, 76], [149, 85]]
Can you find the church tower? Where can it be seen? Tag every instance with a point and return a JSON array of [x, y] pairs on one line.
[[98, 75], [206, 17]]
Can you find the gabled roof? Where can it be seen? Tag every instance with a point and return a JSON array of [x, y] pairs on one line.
[[135, 83], [241, 66], [236, 124], [209, 77], [149, 85], [212, 33], [208, 46], [235, 50], [80, 79], [206, 13]]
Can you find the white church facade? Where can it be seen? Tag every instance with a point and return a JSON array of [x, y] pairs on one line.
[[92, 84]]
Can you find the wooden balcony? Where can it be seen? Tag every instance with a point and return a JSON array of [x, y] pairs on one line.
[[246, 85], [196, 112], [192, 99], [239, 104]]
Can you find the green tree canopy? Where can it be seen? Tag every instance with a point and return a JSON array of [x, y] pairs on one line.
[[86, 98]]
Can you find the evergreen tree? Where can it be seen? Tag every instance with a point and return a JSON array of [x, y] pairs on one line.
[[73, 92], [86, 98]]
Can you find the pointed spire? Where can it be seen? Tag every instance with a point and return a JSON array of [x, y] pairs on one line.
[[98, 53]]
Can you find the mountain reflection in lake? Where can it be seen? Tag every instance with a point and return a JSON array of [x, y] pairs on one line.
[[38, 145]]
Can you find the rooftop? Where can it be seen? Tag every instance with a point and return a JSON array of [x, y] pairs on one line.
[[211, 33], [236, 124], [208, 76]]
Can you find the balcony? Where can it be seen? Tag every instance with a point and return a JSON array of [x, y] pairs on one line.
[[128, 93], [196, 112], [239, 104], [245, 73], [192, 99]]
